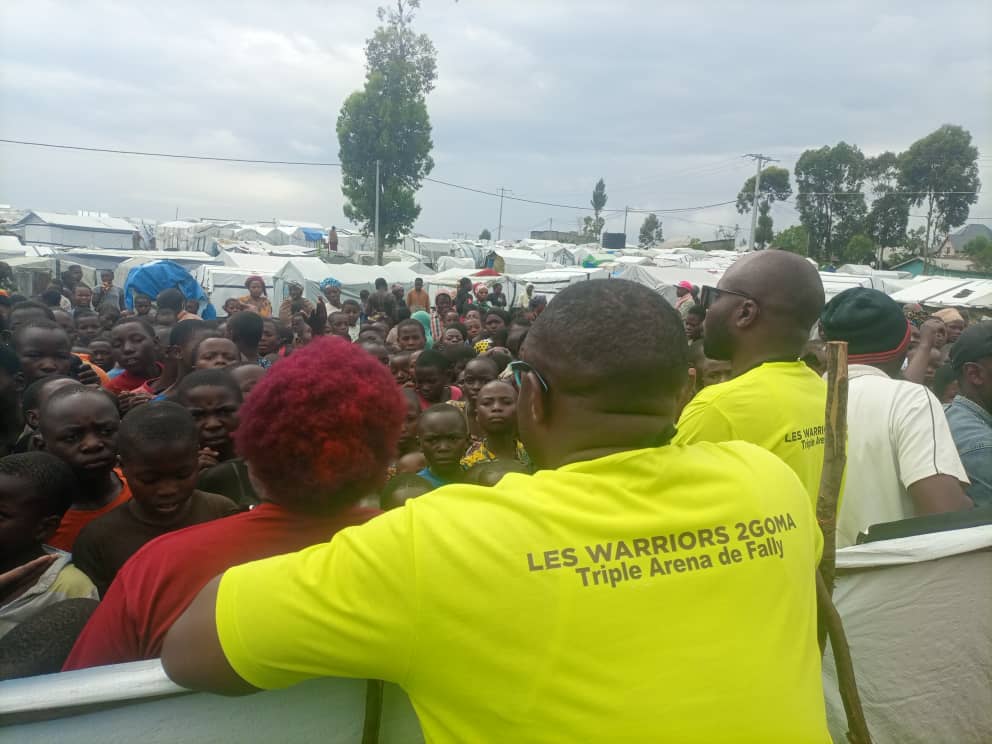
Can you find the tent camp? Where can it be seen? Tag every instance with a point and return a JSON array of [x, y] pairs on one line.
[[946, 291], [514, 261], [152, 278], [309, 272], [221, 282], [549, 282]]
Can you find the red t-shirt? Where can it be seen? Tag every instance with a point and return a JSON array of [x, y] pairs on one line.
[[75, 519], [455, 394], [159, 582], [127, 381]]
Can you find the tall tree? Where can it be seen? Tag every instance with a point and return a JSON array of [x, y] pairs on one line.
[[886, 221], [860, 249], [651, 231], [774, 186], [979, 250], [830, 201], [940, 173], [387, 122], [794, 239], [593, 226], [485, 235]]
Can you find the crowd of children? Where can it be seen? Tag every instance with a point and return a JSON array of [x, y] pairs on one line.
[[158, 448]]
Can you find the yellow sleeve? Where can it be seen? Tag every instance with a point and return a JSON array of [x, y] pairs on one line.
[[346, 608], [703, 421]]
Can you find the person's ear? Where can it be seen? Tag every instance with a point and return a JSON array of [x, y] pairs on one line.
[[747, 314], [46, 527], [174, 351], [537, 407]]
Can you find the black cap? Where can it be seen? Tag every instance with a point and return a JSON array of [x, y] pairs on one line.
[[870, 321], [974, 344]]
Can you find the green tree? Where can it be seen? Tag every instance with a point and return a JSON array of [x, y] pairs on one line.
[[774, 186], [485, 235], [794, 239], [860, 249], [888, 216], [651, 231], [830, 201], [593, 226], [940, 173], [387, 122], [979, 251]]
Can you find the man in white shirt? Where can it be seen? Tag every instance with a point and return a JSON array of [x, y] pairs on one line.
[[901, 459]]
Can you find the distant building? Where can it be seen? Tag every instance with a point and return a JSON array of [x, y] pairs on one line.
[[83, 231], [939, 267], [956, 242]]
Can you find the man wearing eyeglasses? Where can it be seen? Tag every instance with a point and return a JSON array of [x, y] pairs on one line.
[[759, 318], [629, 591]]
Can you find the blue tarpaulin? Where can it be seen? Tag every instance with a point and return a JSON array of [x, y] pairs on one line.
[[313, 233], [152, 278]]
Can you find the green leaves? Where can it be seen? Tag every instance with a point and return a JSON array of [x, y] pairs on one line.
[[979, 250], [387, 121], [651, 231], [830, 202]]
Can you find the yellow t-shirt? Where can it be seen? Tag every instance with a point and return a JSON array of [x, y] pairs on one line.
[[661, 595], [779, 406]]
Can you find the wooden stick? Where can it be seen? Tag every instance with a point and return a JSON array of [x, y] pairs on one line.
[[834, 457]]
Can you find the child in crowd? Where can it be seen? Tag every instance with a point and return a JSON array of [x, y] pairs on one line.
[[82, 298], [32, 400], [372, 333], [102, 353], [432, 374], [399, 366], [87, 328], [496, 412], [79, 426], [35, 491], [245, 330], [214, 399], [11, 417], [215, 353], [443, 440], [136, 350], [107, 293], [410, 335], [246, 375], [401, 489], [109, 316], [43, 350], [376, 349], [65, 321], [159, 456], [353, 312], [479, 372], [473, 324], [337, 325], [459, 356], [143, 306], [268, 347], [455, 334], [945, 384], [496, 320]]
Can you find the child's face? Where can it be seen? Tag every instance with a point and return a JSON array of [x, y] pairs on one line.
[[216, 353], [715, 372], [86, 329], [474, 326], [449, 316], [23, 523], [408, 433], [338, 325], [430, 383], [411, 338], [453, 337], [494, 323], [247, 377], [82, 297], [165, 317], [142, 305], [106, 278], [108, 318], [43, 352], [102, 355], [162, 481], [477, 375], [192, 307], [81, 430], [134, 348], [270, 339], [215, 411], [496, 408], [351, 312], [399, 365], [443, 438], [232, 306]]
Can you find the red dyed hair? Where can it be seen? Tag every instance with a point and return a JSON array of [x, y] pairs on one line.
[[322, 425]]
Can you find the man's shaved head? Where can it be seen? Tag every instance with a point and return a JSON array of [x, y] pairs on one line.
[[769, 303], [576, 342]]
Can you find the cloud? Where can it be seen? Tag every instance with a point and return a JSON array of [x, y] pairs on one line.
[[542, 98]]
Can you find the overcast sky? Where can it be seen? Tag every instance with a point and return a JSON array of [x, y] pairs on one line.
[[658, 98]]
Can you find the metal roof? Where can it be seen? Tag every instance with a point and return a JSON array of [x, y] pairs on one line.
[[106, 224]]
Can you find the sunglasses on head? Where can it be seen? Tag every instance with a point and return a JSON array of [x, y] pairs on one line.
[[708, 295], [519, 369]]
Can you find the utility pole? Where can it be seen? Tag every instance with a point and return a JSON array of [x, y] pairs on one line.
[[499, 227], [378, 240], [625, 211], [758, 159]]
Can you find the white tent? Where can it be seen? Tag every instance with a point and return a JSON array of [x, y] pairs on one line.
[[221, 282], [309, 272], [549, 282], [11, 246], [515, 261], [947, 291], [254, 262], [461, 263]]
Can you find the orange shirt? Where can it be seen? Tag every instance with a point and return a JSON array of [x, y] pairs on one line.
[[75, 519]]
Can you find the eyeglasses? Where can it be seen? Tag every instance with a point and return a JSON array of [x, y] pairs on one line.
[[519, 369], [709, 295]]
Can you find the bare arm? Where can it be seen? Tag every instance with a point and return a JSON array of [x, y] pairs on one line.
[[916, 370], [938, 493], [192, 655]]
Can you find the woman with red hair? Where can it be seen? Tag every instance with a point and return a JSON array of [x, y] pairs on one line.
[[256, 300]]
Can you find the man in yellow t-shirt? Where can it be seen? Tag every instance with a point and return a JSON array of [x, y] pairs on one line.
[[759, 318], [631, 590]]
